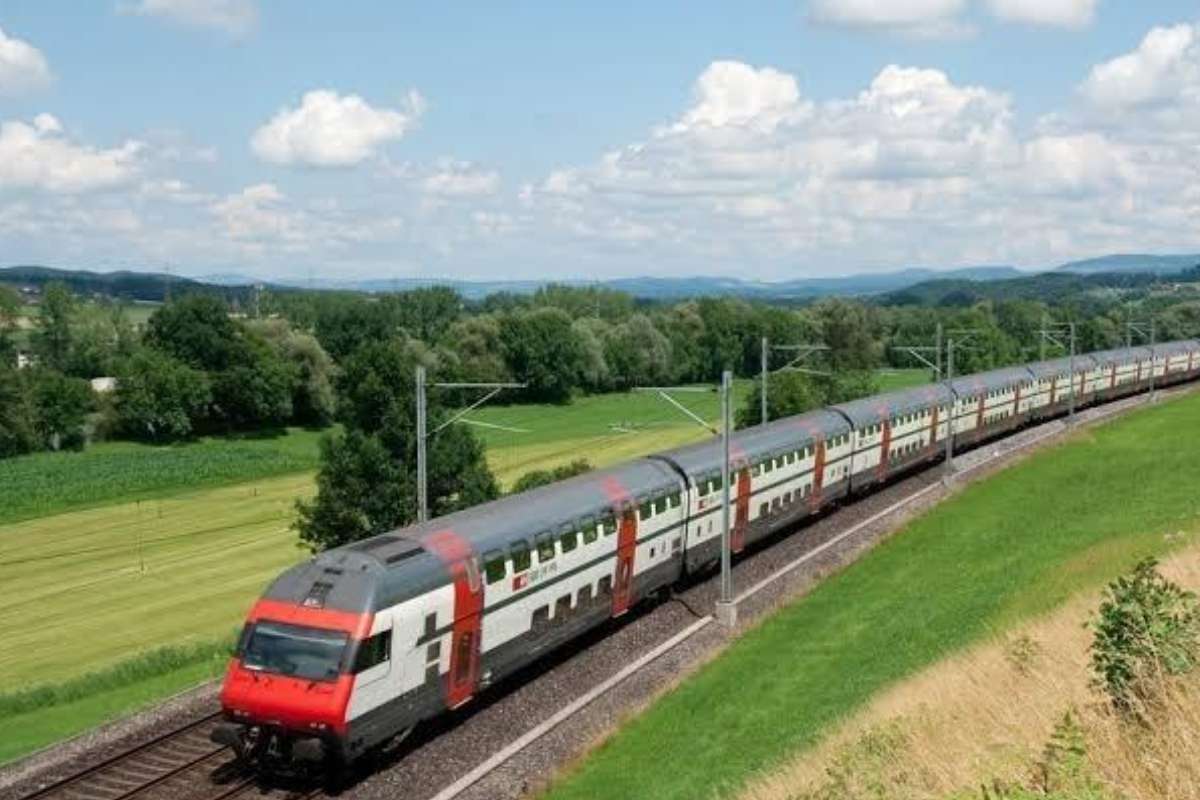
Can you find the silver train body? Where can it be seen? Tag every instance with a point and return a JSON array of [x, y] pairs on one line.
[[355, 647]]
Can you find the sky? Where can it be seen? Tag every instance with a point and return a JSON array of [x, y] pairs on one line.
[[771, 140]]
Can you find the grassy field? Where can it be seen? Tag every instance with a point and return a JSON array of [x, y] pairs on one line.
[[1003, 550], [109, 472]]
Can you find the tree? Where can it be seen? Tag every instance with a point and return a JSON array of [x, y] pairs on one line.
[[595, 375], [61, 408], [256, 391], [544, 351], [159, 398], [637, 354], [849, 331], [197, 330], [476, 342], [366, 483], [788, 393], [18, 416], [313, 398], [52, 340], [10, 312]]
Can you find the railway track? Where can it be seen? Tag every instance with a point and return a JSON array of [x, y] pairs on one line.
[[181, 764]]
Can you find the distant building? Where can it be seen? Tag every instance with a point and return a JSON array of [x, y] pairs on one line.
[[104, 385], [25, 360]]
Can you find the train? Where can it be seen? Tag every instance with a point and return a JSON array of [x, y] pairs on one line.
[[354, 648]]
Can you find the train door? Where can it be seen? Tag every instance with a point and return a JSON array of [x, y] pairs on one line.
[[626, 550], [885, 450], [467, 626], [741, 520], [818, 475]]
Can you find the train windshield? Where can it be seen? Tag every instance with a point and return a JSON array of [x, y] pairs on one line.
[[310, 653]]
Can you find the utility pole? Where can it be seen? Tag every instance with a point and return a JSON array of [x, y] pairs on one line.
[[955, 339], [766, 371], [800, 353], [423, 435], [1052, 333], [726, 610], [1147, 331]]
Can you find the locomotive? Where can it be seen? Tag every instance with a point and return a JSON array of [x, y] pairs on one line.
[[352, 649]]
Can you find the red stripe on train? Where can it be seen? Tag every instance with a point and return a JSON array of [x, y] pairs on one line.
[[459, 558]]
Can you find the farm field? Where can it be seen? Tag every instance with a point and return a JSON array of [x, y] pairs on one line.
[[41, 484], [1000, 553]]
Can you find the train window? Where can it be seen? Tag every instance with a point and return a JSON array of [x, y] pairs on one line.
[[779, 463], [676, 500], [756, 470], [494, 566], [569, 541], [430, 625], [604, 587], [584, 597], [764, 509], [768, 465], [776, 504], [787, 498], [610, 526], [562, 609], [660, 505], [540, 617], [462, 670], [519, 552], [645, 510], [545, 547], [591, 533], [373, 651]]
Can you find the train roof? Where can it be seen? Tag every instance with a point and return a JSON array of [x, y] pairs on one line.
[[1120, 356], [1004, 378], [751, 444], [1180, 346], [1060, 367], [871, 410]]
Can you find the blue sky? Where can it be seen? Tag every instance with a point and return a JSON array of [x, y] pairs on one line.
[[770, 140]]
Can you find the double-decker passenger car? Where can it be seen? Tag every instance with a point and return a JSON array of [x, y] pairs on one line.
[[358, 645]]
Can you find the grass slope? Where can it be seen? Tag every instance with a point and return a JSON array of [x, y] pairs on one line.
[[1012, 546], [109, 472]]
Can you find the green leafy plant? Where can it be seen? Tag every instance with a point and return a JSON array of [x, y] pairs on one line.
[[1147, 628]]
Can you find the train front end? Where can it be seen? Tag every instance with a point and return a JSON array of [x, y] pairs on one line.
[[288, 687]]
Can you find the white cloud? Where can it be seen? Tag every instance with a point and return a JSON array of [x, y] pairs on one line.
[[730, 93], [1164, 68], [259, 212], [235, 17], [918, 18], [461, 179], [330, 130], [23, 68], [38, 155], [1052, 13]]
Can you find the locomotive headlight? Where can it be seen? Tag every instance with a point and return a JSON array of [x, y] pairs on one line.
[[318, 726]]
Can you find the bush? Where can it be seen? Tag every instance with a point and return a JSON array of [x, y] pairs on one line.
[[543, 477], [62, 405], [1147, 627]]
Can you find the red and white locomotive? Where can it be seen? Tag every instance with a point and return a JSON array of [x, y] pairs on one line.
[[355, 647]]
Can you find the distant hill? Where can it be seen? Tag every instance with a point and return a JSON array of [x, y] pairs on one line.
[[1132, 263], [652, 288], [920, 284], [1049, 287], [146, 286]]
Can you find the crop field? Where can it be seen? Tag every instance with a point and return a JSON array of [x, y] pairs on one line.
[[1007, 549], [49, 483]]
